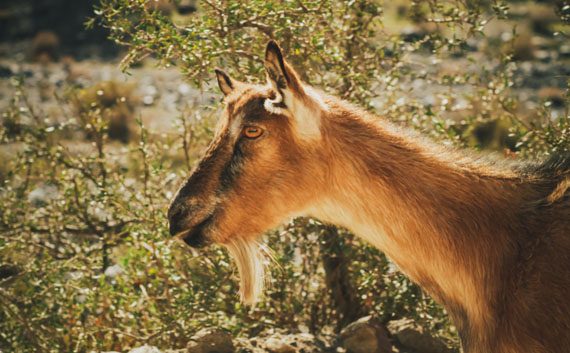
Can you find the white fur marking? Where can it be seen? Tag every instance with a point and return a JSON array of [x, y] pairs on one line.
[[306, 114], [268, 105], [307, 117], [235, 126]]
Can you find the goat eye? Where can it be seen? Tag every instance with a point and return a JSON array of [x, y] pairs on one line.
[[252, 132]]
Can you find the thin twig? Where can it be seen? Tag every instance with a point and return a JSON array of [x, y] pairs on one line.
[[33, 334]]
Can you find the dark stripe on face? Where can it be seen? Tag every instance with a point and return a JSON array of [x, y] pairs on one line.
[[232, 168]]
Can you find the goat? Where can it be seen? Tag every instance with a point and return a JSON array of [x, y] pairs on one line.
[[489, 241]]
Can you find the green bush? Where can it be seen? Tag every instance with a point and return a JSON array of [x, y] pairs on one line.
[[86, 262]]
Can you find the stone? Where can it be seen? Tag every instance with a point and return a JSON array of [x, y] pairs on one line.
[[187, 6], [42, 194], [280, 341], [413, 337], [366, 335], [275, 345], [112, 272], [5, 71], [211, 340], [8, 270], [45, 46], [555, 95], [164, 7], [145, 349]]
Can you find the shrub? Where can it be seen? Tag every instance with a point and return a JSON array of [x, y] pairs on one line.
[[117, 103], [86, 262]]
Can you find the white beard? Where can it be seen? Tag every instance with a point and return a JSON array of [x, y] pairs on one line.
[[251, 259]]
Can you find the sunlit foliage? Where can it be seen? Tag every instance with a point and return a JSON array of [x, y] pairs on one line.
[[86, 261]]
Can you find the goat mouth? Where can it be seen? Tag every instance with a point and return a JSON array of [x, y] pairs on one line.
[[195, 236]]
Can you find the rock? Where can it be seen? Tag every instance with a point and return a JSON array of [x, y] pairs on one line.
[[543, 55], [553, 94], [523, 47], [5, 71], [186, 6], [42, 194], [145, 349], [211, 340], [164, 7], [412, 336], [417, 32], [45, 46], [282, 342], [8, 273], [543, 18], [564, 51], [8, 270], [275, 345], [112, 272], [366, 335]]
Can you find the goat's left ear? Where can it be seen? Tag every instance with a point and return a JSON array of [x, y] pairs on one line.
[[225, 82], [280, 74]]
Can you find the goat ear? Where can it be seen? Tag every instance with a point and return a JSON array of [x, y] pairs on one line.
[[279, 73], [302, 105], [226, 83]]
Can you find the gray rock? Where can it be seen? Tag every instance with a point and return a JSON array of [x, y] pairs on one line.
[[187, 6], [276, 341], [564, 50], [114, 271], [366, 335], [412, 336], [42, 194], [5, 71], [211, 340], [145, 349], [276, 345]]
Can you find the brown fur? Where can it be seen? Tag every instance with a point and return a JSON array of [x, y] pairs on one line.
[[490, 242]]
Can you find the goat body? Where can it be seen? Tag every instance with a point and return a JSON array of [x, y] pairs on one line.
[[489, 241]]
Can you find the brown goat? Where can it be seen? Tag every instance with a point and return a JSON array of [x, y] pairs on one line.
[[490, 242]]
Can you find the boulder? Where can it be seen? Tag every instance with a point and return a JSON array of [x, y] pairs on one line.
[[366, 335], [411, 336], [211, 340], [145, 349], [276, 345], [45, 46], [276, 341], [187, 6], [43, 194]]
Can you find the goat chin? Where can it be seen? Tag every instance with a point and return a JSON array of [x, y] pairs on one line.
[[251, 259]]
